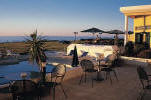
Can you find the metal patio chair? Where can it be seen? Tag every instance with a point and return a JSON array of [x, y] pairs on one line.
[[144, 79], [107, 66], [57, 78], [87, 67]]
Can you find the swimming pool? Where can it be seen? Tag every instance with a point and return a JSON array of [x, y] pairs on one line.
[[13, 71]]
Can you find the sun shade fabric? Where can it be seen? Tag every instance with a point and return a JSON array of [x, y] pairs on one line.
[[93, 30], [115, 32], [75, 60]]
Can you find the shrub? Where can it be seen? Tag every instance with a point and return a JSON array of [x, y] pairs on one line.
[[121, 42], [140, 47], [146, 45], [129, 48], [145, 54]]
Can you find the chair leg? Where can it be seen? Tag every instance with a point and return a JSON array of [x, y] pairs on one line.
[[85, 77], [92, 81], [53, 93], [110, 77], [141, 96], [63, 91], [115, 74], [81, 79], [14, 96], [38, 98], [106, 75]]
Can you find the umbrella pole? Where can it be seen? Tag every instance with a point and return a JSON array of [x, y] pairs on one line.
[[93, 35], [75, 33]]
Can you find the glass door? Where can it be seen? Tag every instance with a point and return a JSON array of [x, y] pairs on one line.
[[138, 38], [147, 38]]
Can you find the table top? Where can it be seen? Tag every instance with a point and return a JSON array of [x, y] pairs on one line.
[[23, 86], [6, 78], [17, 76]]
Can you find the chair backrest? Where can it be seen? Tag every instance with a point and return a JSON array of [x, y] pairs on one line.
[[142, 75], [86, 64], [59, 73], [21, 86], [60, 70], [110, 59]]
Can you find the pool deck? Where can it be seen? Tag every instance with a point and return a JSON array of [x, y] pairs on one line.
[[127, 88]]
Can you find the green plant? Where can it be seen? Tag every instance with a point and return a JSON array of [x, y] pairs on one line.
[[129, 48], [145, 54], [146, 45], [140, 47], [36, 51]]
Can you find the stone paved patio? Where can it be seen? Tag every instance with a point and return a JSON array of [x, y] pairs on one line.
[[127, 88]]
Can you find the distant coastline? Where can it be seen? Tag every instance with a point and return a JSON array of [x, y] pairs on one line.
[[60, 38]]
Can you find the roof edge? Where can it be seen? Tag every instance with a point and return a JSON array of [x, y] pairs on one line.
[[130, 9]]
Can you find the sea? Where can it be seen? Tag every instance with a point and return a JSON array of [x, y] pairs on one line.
[[59, 38]]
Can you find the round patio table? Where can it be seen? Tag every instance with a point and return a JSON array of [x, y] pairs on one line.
[[25, 85], [17, 76], [29, 74]]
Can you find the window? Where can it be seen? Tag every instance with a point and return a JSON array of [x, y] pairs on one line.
[[139, 38], [148, 37]]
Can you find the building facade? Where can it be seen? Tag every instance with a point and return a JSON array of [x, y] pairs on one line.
[[141, 16]]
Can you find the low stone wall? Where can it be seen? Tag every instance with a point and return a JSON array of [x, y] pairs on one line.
[[72, 73], [135, 61]]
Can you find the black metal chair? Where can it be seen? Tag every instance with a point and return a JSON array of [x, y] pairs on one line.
[[107, 67], [24, 90], [87, 67], [57, 78], [144, 79]]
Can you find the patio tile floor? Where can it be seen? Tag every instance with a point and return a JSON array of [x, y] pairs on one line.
[[127, 88]]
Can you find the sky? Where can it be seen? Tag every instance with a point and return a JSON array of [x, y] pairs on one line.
[[61, 17]]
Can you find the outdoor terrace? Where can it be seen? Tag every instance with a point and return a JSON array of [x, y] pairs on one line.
[[127, 88]]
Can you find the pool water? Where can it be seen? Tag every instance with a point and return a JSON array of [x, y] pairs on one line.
[[13, 72]]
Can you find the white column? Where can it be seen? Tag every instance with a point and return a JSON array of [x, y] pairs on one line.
[[126, 30]]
